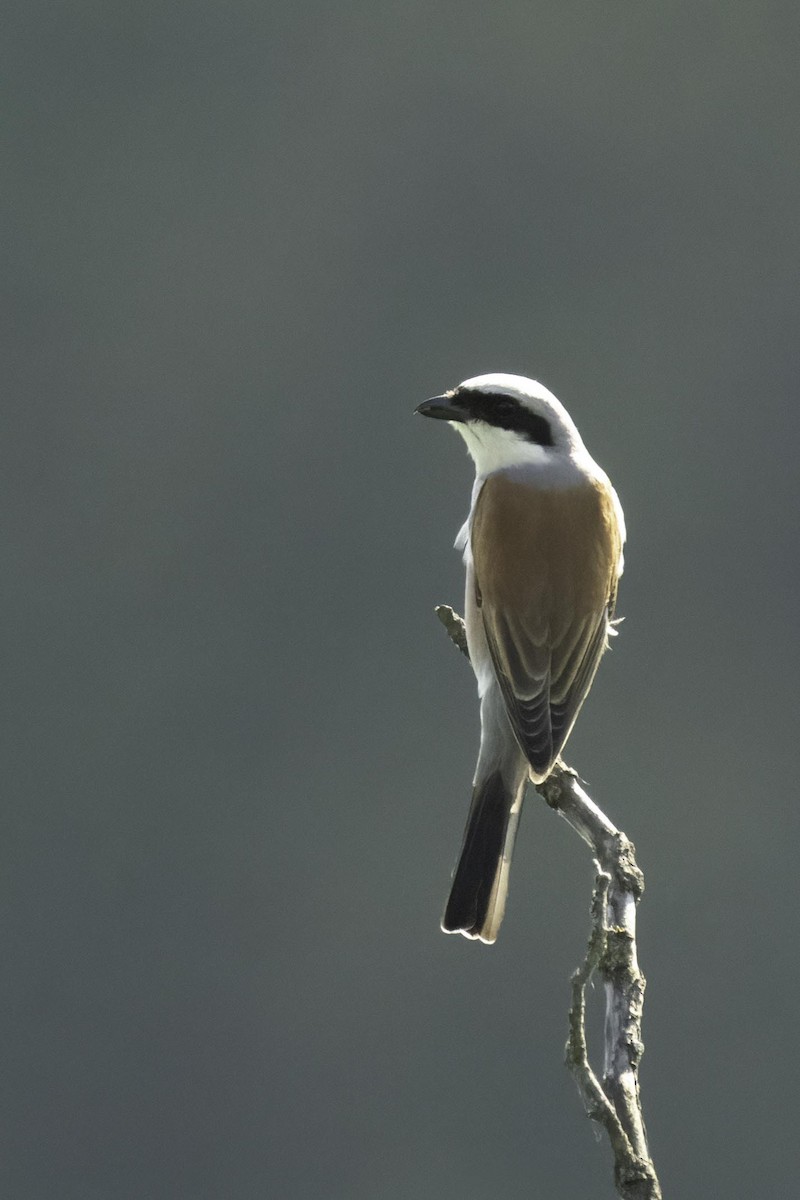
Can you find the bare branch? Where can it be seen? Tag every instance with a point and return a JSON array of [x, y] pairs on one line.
[[611, 951], [613, 929]]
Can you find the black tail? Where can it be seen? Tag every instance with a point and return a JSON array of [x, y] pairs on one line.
[[480, 881]]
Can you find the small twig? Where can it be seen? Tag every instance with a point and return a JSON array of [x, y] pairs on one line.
[[595, 1101], [454, 625], [611, 951]]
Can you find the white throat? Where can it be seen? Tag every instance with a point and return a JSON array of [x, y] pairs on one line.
[[493, 449]]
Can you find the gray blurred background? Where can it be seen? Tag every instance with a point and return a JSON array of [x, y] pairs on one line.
[[243, 241]]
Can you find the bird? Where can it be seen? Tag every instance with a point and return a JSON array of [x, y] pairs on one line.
[[543, 551]]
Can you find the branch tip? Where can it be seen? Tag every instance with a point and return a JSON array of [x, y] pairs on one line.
[[454, 624]]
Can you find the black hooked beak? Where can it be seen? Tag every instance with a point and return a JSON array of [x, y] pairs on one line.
[[444, 408]]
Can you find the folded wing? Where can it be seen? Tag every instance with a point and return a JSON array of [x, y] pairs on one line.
[[546, 563]]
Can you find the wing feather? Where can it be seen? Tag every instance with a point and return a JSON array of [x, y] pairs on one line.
[[545, 567]]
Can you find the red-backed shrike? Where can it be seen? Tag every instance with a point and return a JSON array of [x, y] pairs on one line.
[[543, 550]]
